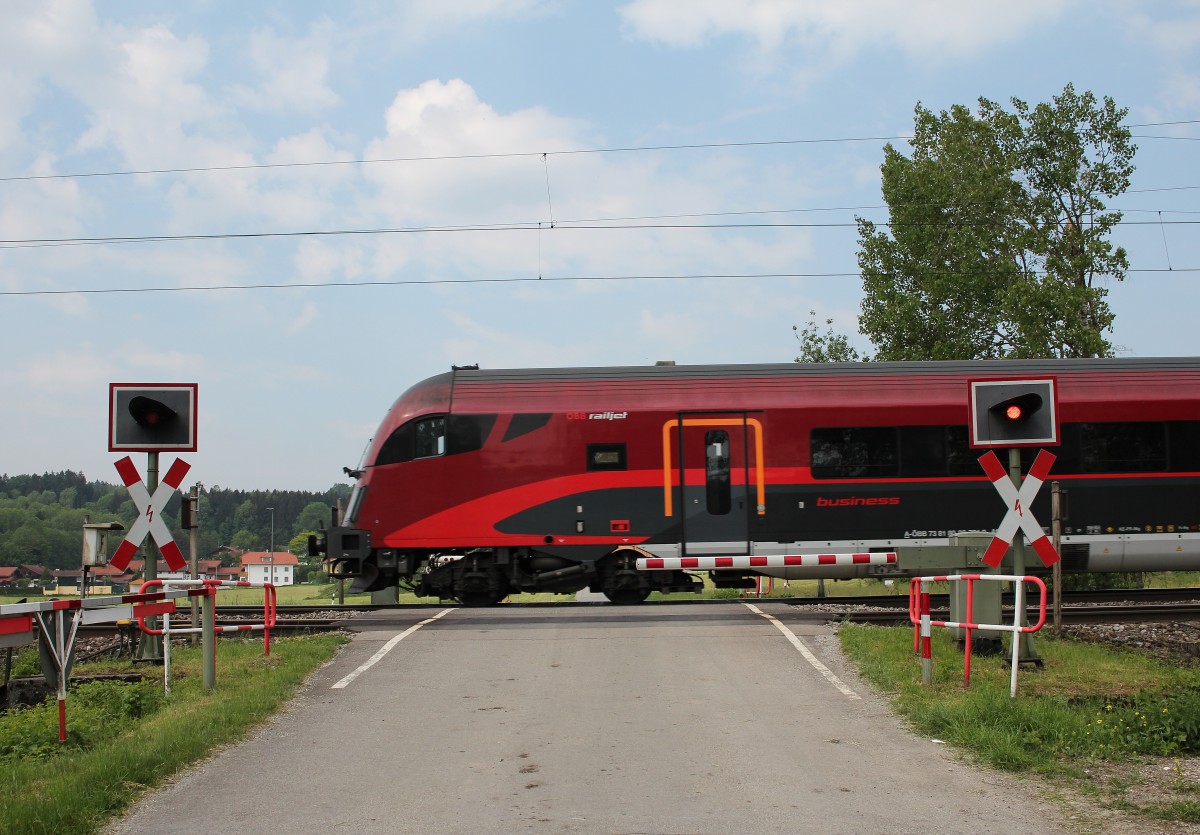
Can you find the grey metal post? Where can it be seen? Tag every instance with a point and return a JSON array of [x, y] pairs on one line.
[[1028, 652], [1056, 539], [83, 579], [193, 548], [150, 646], [209, 639], [341, 584]]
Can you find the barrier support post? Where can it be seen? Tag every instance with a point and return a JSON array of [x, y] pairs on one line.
[[208, 620], [268, 616], [61, 648], [1020, 620], [166, 645], [914, 612], [970, 614], [926, 641]]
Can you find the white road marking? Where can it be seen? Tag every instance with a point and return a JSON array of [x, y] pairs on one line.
[[808, 656], [385, 649]]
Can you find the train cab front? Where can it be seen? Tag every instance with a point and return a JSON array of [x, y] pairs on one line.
[[345, 552]]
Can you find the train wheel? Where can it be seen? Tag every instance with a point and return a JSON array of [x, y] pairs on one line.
[[480, 598], [627, 597]]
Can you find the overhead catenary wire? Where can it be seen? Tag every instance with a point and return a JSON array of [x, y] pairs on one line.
[[300, 285], [593, 224], [610, 223], [530, 226], [695, 146], [1164, 237]]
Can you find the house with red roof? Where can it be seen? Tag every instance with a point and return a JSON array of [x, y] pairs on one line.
[[207, 569], [275, 567], [101, 579], [20, 576]]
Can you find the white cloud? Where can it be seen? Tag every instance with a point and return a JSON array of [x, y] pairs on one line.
[[820, 29], [421, 20], [447, 119], [153, 358], [1175, 34], [294, 71], [83, 369], [497, 346], [303, 319], [146, 103], [40, 42]]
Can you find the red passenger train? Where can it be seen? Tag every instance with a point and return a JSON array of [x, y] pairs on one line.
[[482, 483]]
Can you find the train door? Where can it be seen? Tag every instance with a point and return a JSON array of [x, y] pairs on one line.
[[717, 464]]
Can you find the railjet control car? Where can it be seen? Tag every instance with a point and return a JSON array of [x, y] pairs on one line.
[[481, 483]]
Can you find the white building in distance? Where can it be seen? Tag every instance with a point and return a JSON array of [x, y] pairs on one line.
[[275, 567]]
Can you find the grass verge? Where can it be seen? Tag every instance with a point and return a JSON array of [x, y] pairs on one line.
[[104, 766], [1117, 725]]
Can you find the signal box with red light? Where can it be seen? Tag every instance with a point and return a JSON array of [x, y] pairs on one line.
[[152, 417], [1013, 413]]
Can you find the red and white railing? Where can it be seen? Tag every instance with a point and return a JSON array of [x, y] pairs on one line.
[[918, 615], [269, 609]]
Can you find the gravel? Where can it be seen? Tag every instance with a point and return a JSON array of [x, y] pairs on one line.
[[1171, 641]]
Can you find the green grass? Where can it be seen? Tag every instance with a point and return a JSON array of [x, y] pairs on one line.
[[123, 739], [1090, 711]]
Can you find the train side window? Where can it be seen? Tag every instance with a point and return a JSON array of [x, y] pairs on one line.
[[718, 494], [429, 437], [1123, 447], [854, 452], [467, 433], [398, 447], [601, 457], [960, 458], [1184, 439], [922, 451]]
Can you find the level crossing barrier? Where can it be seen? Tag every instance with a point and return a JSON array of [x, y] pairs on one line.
[[919, 616], [763, 561], [17, 627]]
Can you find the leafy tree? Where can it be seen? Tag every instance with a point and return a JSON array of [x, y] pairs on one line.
[[244, 540], [823, 347], [999, 234], [314, 517], [298, 544]]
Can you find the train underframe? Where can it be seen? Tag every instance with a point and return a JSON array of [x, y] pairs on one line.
[[485, 576]]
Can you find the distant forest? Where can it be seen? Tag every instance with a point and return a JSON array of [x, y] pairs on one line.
[[41, 517]]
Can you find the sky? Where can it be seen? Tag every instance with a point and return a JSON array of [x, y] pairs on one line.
[[306, 208]]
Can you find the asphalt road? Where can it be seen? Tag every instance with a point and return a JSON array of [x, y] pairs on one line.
[[590, 719]]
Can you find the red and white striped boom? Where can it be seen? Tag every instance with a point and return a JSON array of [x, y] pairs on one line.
[[771, 561]]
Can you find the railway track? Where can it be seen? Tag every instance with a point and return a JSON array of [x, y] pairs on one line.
[[899, 601], [1130, 606]]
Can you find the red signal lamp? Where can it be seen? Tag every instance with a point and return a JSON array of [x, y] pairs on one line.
[[1013, 413]]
